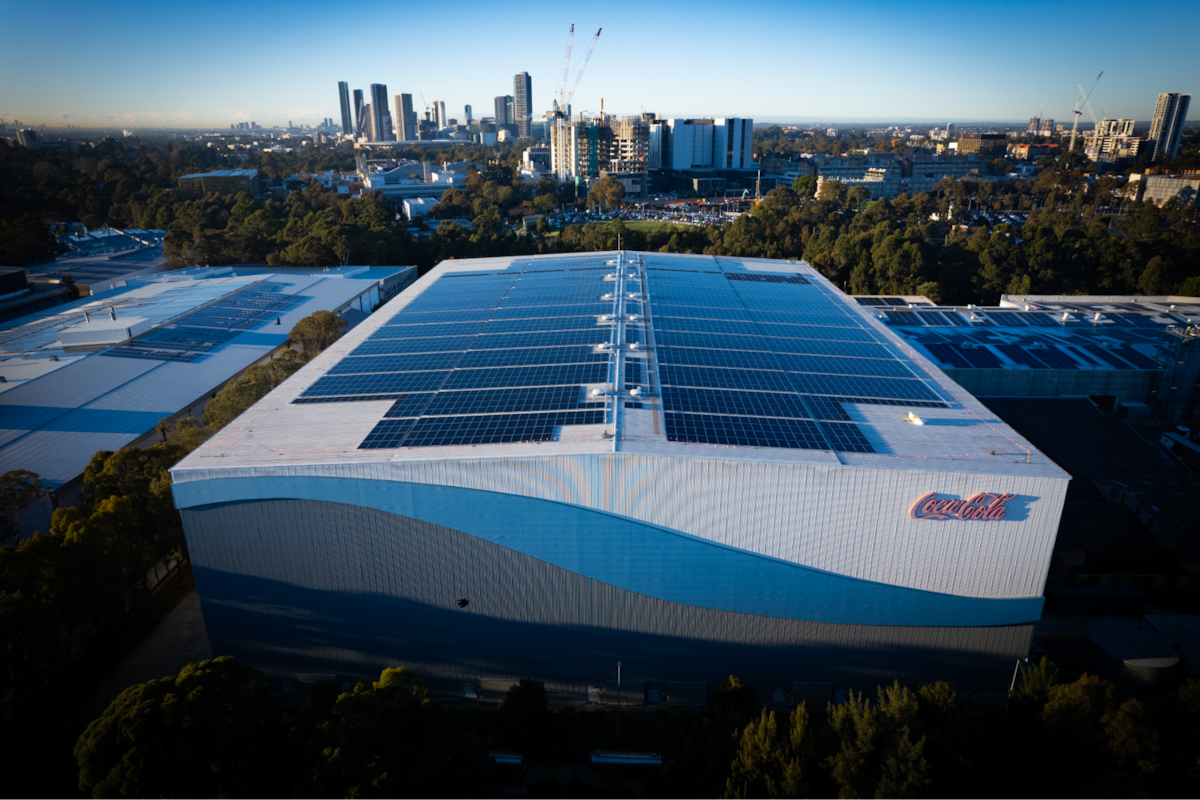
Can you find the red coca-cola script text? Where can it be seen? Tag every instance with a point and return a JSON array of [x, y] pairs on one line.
[[982, 506]]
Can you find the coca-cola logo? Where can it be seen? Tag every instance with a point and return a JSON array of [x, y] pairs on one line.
[[982, 506]]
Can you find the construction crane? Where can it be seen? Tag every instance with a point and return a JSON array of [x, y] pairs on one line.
[[562, 86], [582, 67], [1078, 110]]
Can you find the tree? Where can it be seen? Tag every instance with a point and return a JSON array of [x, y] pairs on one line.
[[831, 191], [876, 753], [388, 739], [317, 331], [805, 185], [206, 732], [607, 191], [770, 764], [258, 381], [525, 712], [857, 194], [19, 489]]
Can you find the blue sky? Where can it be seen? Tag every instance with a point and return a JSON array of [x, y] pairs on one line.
[[214, 63]]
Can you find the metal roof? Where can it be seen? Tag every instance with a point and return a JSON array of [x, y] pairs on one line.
[[1068, 333], [55, 414], [741, 359]]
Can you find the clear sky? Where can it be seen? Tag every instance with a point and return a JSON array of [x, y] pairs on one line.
[[206, 64]]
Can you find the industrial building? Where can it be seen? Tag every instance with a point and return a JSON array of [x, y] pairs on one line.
[[101, 372], [221, 181], [1126, 353], [536, 467]]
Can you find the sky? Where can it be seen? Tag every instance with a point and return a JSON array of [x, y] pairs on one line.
[[135, 63]]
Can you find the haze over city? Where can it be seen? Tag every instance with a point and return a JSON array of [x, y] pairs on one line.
[[217, 63]]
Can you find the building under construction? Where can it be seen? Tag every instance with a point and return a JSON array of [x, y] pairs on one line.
[[585, 149]]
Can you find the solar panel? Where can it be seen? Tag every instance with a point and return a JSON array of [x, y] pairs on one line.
[[744, 431], [717, 358], [477, 429], [892, 388], [387, 383], [361, 365], [591, 336], [724, 401], [504, 377], [530, 356], [546, 324], [421, 331], [542, 398], [380, 347], [713, 377], [759, 278], [845, 366]]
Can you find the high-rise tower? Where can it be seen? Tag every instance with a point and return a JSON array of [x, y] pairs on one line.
[[1165, 129], [467, 113], [381, 119], [344, 97], [406, 118], [359, 122], [502, 104], [523, 96]]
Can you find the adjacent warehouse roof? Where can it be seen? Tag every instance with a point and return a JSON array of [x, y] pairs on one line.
[[1067, 333], [60, 403], [621, 352]]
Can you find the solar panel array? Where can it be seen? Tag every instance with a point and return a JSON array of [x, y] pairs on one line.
[[200, 332], [484, 358], [736, 357], [767, 360]]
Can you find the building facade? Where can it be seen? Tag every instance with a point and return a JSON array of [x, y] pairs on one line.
[[522, 103], [344, 100], [1170, 114], [537, 467], [221, 181], [381, 118], [406, 118]]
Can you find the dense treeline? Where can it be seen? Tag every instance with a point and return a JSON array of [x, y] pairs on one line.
[[69, 596], [213, 731], [1080, 237]]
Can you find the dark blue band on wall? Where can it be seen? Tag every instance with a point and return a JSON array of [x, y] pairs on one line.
[[632, 555]]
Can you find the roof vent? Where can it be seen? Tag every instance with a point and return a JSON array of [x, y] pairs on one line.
[[634, 317], [606, 296], [605, 317], [635, 392], [1097, 317], [1066, 317], [914, 419], [597, 392]]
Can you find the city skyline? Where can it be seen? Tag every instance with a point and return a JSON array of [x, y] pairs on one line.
[[834, 68]]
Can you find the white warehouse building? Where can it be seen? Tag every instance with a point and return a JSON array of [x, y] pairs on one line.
[[536, 467]]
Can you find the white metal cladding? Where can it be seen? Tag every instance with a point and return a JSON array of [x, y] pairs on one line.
[[843, 519], [299, 585]]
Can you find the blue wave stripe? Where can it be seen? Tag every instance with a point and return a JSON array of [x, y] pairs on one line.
[[632, 555]]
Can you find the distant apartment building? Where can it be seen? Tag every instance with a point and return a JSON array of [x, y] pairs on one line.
[[887, 176], [1030, 152], [523, 105], [467, 114], [406, 118], [222, 181], [1170, 114], [29, 139], [381, 118], [1113, 141], [344, 98], [502, 104], [723, 143]]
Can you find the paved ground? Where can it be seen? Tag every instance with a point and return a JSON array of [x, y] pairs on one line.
[[178, 640]]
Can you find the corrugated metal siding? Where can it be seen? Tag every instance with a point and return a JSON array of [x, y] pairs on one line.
[[303, 586], [846, 520]]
